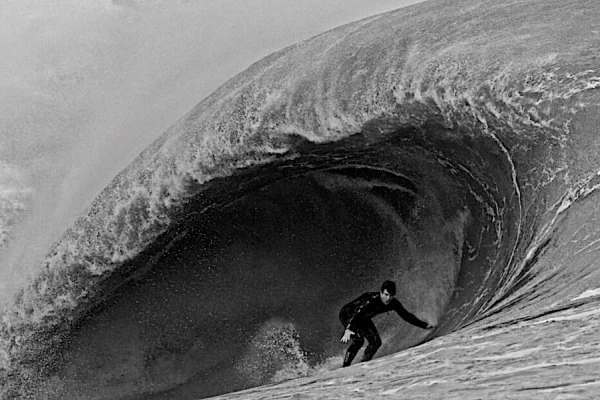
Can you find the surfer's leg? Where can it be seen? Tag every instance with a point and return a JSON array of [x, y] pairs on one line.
[[355, 345], [370, 332]]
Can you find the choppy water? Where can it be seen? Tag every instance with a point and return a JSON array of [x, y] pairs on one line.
[[450, 146]]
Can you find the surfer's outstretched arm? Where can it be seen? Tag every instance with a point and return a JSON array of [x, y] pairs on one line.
[[409, 317]]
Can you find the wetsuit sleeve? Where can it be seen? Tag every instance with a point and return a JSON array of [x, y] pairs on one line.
[[359, 311], [407, 316]]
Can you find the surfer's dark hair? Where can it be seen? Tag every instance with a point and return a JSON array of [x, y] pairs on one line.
[[390, 287]]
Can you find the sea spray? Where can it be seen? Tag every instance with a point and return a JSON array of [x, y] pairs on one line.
[[274, 354], [15, 195]]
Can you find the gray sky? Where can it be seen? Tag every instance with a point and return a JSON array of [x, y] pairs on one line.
[[86, 85]]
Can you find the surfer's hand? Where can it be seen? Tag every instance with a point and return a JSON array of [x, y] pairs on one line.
[[346, 337]]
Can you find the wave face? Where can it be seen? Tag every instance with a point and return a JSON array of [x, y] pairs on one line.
[[450, 146]]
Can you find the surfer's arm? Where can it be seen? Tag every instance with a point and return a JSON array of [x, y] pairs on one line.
[[358, 312], [347, 334], [409, 317]]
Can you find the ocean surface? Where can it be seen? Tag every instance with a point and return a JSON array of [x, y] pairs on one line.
[[451, 146]]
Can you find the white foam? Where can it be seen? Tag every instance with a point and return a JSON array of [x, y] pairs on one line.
[[587, 294], [15, 193]]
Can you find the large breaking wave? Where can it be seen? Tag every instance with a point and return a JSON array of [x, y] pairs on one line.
[[437, 145]]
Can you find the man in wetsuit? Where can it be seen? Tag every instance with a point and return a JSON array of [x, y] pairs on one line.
[[356, 318]]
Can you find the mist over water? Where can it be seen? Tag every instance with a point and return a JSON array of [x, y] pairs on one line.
[[84, 87]]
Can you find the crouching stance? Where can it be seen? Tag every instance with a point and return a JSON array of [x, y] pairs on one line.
[[356, 318]]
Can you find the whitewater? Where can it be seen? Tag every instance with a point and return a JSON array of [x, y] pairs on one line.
[[451, 146]]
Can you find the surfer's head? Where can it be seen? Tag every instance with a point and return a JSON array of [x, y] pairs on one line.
[[388, 291]]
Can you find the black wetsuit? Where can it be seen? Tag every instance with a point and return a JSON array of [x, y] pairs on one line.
[[356, 316]]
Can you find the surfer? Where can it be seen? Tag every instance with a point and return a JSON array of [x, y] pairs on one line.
[[356, 318]]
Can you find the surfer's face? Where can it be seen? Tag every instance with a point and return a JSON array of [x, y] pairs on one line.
[[386, 297]]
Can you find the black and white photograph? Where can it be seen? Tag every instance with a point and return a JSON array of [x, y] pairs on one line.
[[277, 199]]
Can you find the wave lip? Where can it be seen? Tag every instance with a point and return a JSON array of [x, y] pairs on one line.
[[525, 87]]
